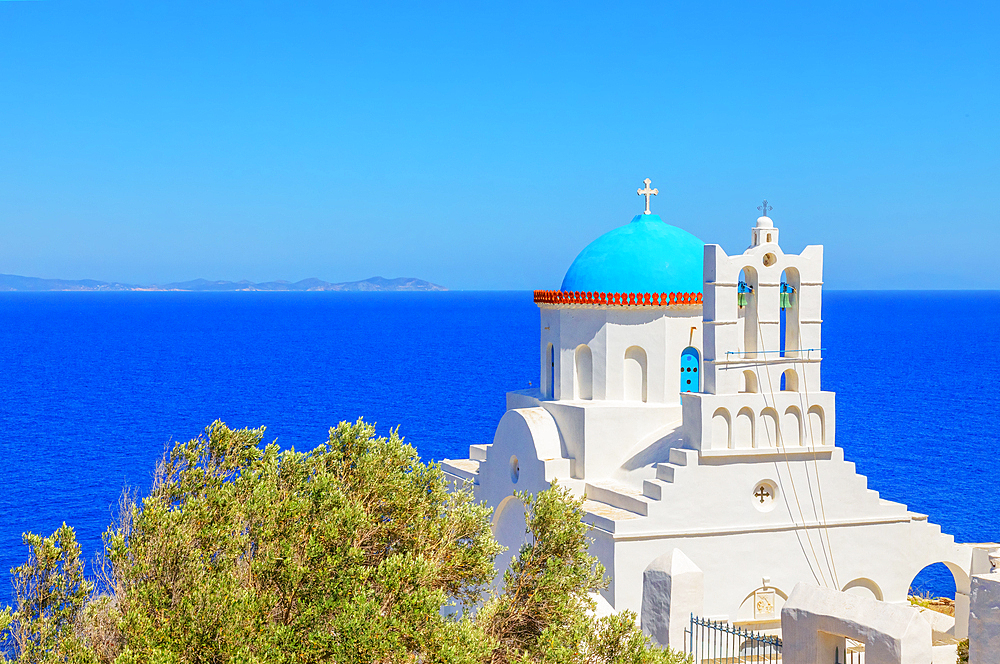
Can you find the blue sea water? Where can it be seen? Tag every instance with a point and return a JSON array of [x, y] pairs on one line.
[[96, 385]]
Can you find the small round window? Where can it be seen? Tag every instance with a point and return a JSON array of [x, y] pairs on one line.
[[764, 495], [770, 259]]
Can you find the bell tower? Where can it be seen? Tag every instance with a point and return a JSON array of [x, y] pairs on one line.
[[752, 367]]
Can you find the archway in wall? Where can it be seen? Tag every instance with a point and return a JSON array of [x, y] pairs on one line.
[[509, 529], [721, 430], [583, 381], [690, 370], [747, 303], [743, 430], [816, 423], [863, 587], [791, 427], [635, 374], [762, 608], [935, 580], [789, 296], [768, 436]]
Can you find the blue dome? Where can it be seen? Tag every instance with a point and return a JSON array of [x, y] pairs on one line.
[[644, 256]]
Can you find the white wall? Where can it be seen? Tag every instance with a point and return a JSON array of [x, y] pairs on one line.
[[662, 333]]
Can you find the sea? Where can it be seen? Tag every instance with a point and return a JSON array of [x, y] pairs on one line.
[[97, 385]]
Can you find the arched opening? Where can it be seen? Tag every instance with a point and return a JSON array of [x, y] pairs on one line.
[[550, 371], [815, 430], [635, 374], [720, 429], [747, 300], [690, 374], [864, 588], [791, 427], [935, 580], [790, 283], [761, 606], [509, 529], [743, 431], [583, 386], [789, 381], [749, 382], [769, 424]]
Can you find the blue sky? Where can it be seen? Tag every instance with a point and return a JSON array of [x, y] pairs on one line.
[[482, 146]]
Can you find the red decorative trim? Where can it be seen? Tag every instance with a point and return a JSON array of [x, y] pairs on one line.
[[617, 299]]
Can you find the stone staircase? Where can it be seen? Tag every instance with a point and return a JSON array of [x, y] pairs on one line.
[[606, 501], [609, 501]]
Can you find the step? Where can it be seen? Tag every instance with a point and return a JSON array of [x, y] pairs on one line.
[[618, 495], [604, 516], [558, 467], [478, 452], [681, 457], [653, 489], [466, 469], [665, 472]]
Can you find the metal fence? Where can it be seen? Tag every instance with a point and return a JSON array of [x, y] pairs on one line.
[[854, 653], [713, 642]]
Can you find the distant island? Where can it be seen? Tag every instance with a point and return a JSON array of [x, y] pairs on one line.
[[12, 282]]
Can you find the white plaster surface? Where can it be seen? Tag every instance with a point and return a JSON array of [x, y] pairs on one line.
[[944, 654], [815, 622], [984, 619], [673, 588]]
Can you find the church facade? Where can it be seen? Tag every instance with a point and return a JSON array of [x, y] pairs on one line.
[[680, 393]]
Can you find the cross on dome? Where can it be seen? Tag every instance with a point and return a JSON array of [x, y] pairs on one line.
[[764, 207], [647, 192]]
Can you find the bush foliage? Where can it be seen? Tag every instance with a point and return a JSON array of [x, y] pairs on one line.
[[353, 552]]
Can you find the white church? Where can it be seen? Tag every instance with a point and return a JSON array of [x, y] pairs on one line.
[[680, 392]]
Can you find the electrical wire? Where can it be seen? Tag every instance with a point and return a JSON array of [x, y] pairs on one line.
[[784, 453], [819, 485]]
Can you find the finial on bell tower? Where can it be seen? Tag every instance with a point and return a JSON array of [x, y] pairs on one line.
[[764, 232]]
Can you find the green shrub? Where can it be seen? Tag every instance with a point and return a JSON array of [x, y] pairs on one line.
[[352, 552]]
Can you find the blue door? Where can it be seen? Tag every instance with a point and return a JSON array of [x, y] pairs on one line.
[[689, 370]]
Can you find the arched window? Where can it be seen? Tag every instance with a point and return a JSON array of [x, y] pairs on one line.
[[584, 374], [635, 374], [749, 382], [789, 381], [690, 374]]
